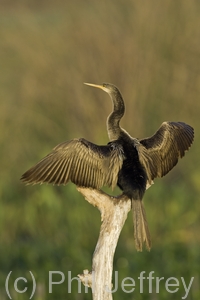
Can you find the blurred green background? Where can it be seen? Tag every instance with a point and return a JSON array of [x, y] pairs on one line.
[[151, 51]]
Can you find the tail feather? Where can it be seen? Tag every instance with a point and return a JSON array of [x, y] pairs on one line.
[[141, 230]]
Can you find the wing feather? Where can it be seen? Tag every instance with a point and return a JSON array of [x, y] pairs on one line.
[[160, 152], [80, 161]]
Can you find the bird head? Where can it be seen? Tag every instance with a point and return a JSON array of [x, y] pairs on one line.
[[106, 87]]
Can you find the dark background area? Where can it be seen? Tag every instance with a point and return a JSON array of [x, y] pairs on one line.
[[151, 51]]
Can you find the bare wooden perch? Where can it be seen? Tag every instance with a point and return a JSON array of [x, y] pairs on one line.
[[114, 212]]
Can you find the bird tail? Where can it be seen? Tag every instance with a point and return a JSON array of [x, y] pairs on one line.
[[141, 230]]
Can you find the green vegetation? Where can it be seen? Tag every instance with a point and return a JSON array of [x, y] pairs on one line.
[[151, 51]]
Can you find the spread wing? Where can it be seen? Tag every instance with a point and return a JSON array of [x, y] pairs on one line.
[[80, 161], [160, 152]]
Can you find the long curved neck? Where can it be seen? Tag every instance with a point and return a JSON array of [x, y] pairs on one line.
[[113, 127]]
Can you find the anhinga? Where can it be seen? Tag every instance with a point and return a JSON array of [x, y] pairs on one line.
[[130, 163]]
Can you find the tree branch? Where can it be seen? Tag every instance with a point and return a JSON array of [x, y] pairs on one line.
[[114, 212]]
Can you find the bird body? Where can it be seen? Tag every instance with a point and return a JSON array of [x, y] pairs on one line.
[[130, 163], [132, 178]]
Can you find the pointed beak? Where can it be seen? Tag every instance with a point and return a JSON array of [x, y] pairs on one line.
[[95, 85], [100, 86]]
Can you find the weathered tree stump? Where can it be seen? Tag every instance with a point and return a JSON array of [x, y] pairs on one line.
[[114, 211]]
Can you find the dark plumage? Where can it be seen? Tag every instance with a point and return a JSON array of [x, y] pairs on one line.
[[130, 163]]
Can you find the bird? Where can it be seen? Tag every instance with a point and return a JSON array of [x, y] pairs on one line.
[[130, 163]]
